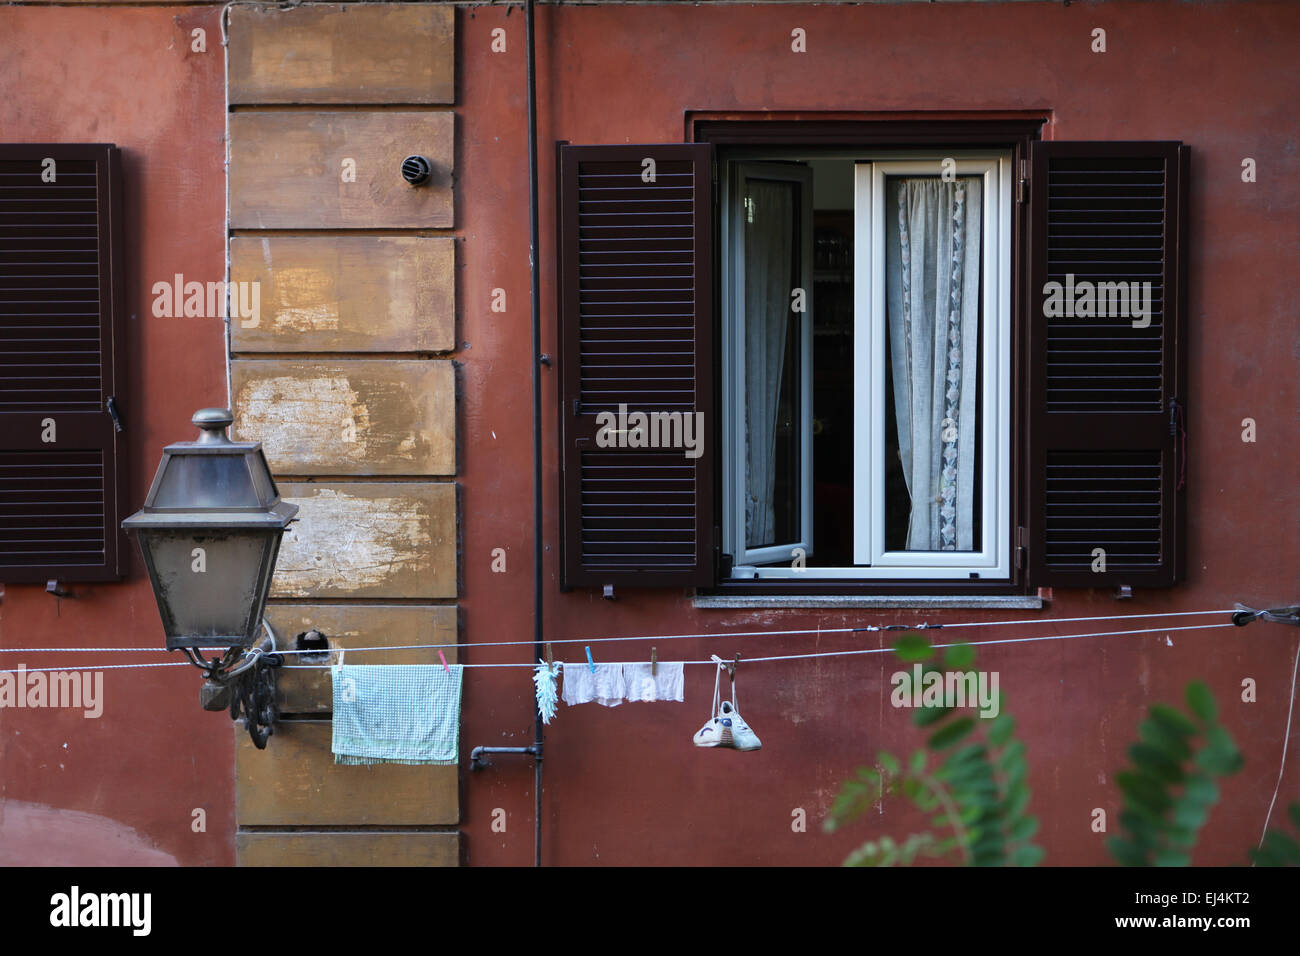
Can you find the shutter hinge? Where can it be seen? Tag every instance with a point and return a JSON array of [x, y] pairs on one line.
[[1022, 184], [1022, 548], [111, 406], [576, 403]]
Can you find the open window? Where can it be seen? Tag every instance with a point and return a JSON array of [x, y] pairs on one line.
[[885, 399], [891, 392]]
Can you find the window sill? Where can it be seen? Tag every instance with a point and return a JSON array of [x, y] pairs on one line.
[[914, 601]]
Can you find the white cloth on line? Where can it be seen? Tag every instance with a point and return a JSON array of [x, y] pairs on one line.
[[603, 684], [611, 684], [667, 684]]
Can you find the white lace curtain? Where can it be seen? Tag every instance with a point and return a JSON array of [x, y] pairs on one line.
[[932, 266]]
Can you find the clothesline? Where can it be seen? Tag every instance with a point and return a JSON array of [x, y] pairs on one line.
[[751, 660], [646, 637]]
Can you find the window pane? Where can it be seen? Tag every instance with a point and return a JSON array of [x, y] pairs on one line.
[[932, 274], [772, 363]]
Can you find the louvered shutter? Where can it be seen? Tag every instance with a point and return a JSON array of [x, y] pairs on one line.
[[636, 328], [1107, 397], [60, 295]]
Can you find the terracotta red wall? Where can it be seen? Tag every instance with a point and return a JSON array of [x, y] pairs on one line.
[[625, 785], [121, 789]]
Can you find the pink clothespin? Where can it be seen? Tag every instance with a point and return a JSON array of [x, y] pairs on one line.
[[444, 662]]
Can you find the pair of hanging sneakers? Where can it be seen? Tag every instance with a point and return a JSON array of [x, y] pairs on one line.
[[726, 728]]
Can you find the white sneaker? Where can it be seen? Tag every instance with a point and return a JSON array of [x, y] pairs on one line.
[[715, 733], [742, 738]]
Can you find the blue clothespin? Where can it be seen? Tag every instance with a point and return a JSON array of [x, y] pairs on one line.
[[590, 662]]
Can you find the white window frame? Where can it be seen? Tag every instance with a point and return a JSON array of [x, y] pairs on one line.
[[993, 560], [733, 373]]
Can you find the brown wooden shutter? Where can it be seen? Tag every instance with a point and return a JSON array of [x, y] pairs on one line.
[[636, 329], [1107, 400], [60, 296]]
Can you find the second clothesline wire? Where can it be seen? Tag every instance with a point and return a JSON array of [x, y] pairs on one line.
[[664, 637]]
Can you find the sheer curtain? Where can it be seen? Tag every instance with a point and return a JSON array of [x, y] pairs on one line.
[[768, 221], [932, 277]]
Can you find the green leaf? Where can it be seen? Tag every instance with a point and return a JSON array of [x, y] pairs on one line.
[[1172, 721], [947, 736], [1154, 762], [888, 761], [1171, 858], [1144, 791], [1001, 729], [1012, 756], [1199, 789], [965, 774], [1172, 745], [1189, 815], [918, 761], [1277, 849], [1141, 825], [1028, 855], [973, 753], [913, 647], [1293, 811], [1180, 837], [1023, 829], [1220, 755], [1016, 801], [866, 855], [1201, 702], [911, 787], [925, 716], [959, 657], [1125, 853]]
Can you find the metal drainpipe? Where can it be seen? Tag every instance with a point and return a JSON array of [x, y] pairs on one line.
[[537, 425], [478, 756]]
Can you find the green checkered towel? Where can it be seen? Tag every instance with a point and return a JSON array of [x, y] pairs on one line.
[[396, 713]]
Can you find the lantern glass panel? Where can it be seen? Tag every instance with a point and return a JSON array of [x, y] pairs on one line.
[[210, 583], [195, 482]]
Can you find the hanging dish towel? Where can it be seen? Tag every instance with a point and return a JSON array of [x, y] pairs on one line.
[[396, 713], [604, 686], [643, 685]]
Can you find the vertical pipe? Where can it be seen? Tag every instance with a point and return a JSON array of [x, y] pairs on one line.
[[535, 362]]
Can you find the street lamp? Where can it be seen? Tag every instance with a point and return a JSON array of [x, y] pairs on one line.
[[210, 532]]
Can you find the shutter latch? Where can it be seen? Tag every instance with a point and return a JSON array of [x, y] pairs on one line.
[[1022, 184], [111, 405], [1022, 548]]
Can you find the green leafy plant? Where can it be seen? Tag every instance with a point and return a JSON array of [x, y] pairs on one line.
[[1169, 789], [971, 778], [1280, 848]]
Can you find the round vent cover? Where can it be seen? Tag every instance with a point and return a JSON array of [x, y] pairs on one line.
[[416, 170]]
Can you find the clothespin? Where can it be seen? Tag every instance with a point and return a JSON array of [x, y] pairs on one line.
[[342, 651], [654, 662], [590, 663], [550, 655], [1277, 615], [731, 668], [444, 661]]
